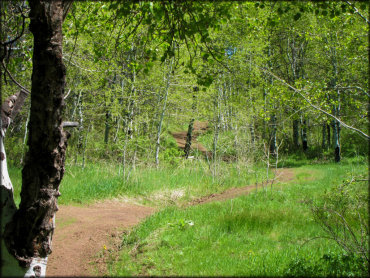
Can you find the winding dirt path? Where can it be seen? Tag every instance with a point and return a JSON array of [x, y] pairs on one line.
[[281, 175], [82, 232]]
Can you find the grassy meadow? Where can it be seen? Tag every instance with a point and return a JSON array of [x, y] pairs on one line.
[[271, 232], [263, 234]]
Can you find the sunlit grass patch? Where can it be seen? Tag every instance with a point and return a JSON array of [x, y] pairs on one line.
[[264, 233]]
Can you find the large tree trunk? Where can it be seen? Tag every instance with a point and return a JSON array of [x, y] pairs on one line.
[[9, 265], [28, 236]]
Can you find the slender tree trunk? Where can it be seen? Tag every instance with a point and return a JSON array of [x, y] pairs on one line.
[[273, 135], [323, 143], [336, 140], [295, 134], [188, 139], [264, 132], [190, 127], [107, 127], [84, 147], [328, 132], [304, 135], [251, 129], [28, 236], [158, 144], [217, 125]]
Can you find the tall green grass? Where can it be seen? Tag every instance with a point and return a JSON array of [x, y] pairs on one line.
[[263, 234], [104, 180]]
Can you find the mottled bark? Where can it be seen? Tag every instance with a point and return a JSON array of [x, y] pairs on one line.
[[10, 107], [29, 234], [188, 138]]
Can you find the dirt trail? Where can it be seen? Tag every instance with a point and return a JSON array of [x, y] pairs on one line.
[[198, 129], [82, 232], [281, 175]]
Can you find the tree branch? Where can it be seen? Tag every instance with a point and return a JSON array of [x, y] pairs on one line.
[[314, 106], [18, 37], [357, 12], [12, 78]]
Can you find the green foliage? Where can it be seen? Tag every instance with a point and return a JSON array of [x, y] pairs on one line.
[[343, 215], [330, 264]]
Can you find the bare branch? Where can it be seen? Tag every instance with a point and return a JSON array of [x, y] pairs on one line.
[[66, 6], [12, 78], [357, 12], [67, 93], [19, 36], [70, 124], [353, 87], [314, 106]]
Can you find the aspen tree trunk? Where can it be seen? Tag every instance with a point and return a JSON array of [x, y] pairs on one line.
[[127, 122], [336, 107], [9, 109], [217, 124], [158, 144], [190, 127], [273, 135], [28, 234], [264, 112]]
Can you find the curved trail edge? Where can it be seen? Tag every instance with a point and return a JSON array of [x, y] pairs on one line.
[[85, 236]]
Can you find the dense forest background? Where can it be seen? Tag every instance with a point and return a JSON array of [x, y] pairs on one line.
[[260, 76]]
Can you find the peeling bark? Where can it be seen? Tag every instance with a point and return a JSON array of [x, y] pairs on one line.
[[28, 236], [9, 109]]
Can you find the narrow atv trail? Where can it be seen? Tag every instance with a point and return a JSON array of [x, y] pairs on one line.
[[198, 129], [82, 232]]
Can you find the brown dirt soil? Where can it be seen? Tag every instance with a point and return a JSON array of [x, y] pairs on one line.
[[281, 175], [81, 232], [198, 129], [86, 236]]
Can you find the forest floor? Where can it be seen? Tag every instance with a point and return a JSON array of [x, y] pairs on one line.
[[86, 235]]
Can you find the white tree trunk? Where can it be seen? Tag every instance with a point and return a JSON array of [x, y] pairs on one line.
[[10, 265], [162, 113]]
